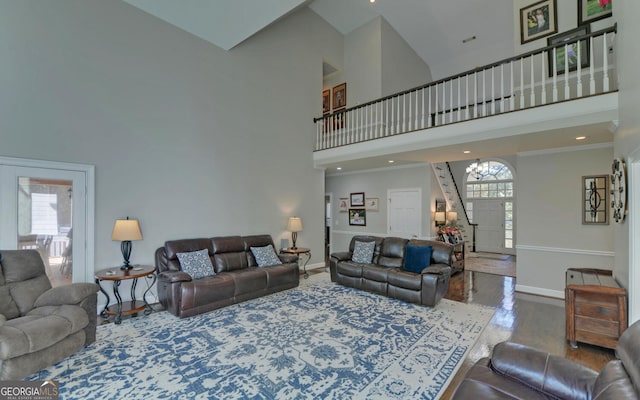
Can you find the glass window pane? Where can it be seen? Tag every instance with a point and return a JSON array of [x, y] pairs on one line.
[[508, 225], [508, 243]]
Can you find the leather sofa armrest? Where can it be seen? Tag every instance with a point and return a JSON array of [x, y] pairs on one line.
[[547, 373], [288, 258], [174, 276], [437, 269], [342, 256], [71, 294], [3, 319]]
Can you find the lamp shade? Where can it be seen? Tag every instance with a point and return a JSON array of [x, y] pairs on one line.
[[126, 229], [439, 217], [294, 224], [452, 216]]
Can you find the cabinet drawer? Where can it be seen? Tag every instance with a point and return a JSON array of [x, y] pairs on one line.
[[598, 326], [608, 312]]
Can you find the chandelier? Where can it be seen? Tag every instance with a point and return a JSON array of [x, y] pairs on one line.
[[476, 170]]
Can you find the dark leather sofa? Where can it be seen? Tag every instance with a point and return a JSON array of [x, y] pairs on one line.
[[515, 371], [385, 274], [237, 277]]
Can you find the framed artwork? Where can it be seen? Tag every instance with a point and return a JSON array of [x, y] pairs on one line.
[[326, 101], [571, 55], [538, 20], [357, 199], [340, 96], [358, 216], [441, 205], [593, 10], [595, 201], [372, 203], [343, 204]]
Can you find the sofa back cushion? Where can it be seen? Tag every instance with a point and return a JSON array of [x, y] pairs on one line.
[[392, 252], [366, 238], [24, 279], [228, 253], [173, 247]]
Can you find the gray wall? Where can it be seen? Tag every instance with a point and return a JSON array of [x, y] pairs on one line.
[[191, 140], [376, 183]]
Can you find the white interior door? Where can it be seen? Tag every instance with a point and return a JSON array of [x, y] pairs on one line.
[[404, 213], [48, 209], [489, 215]]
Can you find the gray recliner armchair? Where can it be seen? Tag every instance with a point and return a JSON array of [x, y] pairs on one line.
[[40, 325]]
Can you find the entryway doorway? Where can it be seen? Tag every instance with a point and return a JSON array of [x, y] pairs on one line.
[[48, 207]]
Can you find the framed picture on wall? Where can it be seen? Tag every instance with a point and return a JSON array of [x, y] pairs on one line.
[[372, 203], [339, 96], [569, 52], [357, 199], [326, 101], [358, 216], [538, 20], [593, 10], [343, 204], [595, 200]]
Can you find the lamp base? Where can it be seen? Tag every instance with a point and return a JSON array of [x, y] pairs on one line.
[[126, 267], [125, 247]]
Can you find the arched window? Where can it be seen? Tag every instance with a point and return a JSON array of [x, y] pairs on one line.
[[492, 180]]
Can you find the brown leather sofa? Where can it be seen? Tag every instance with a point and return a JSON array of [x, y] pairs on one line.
[[385, 274], [515, 371], [237, 277]]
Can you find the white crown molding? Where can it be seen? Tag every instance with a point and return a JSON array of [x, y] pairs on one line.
[[568, 149]]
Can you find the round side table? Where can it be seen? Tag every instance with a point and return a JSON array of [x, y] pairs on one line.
[[298, 251], [117, 275]]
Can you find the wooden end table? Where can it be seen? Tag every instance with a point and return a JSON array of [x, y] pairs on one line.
[[117, 275], [299, 251]]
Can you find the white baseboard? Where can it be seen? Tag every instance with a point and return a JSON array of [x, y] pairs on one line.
[[315, 266], [559, 294]]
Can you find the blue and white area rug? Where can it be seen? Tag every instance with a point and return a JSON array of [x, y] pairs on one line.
[[318, 341]]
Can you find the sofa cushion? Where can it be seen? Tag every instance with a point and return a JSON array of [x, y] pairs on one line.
[[363, 252], [265, 256], [8, 307], [416, 258], [404, 279], [196, 263]]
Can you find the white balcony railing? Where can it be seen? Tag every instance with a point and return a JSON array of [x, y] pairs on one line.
[[517, 83]]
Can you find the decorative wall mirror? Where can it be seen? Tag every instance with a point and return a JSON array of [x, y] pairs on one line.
[[595, 202]]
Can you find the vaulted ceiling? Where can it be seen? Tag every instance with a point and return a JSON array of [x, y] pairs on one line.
[[434, 29]]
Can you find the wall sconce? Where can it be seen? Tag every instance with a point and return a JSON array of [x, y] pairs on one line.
[[294, 225], [439, 218], [126, 230]]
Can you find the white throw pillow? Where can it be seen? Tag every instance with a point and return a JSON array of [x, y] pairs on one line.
[[265, 256], [363, 252], [196, 263]]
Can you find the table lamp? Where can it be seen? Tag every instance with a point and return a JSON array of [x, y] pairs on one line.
[[126, 230], [295, 226]]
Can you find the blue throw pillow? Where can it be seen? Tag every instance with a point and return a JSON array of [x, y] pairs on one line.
[[196, 263], [363, 252], [416, 258], [265, 256]]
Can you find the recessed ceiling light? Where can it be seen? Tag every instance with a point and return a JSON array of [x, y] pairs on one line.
[[581, 138], [467, 151], [391, 161], [372, 1], [339, 168]]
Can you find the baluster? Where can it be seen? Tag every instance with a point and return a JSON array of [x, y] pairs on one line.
[[435, 119], [429, 123], [493, 88], [422, 108], [398, 115], [459, 103], [415, 123], [522, 83], [378, 121], [579, 71], [484, 92], [475, 94], [532, 94], [503, 102], [468, 103], [409, 111], [605, 64], [543, 92], [387, 121], [592, 75], [451, 101], [372, 124], [555, 76], [444, 103], [512, 97], [567, 92]]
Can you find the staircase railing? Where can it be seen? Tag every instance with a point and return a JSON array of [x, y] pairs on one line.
[[528, 80], [464, 209]]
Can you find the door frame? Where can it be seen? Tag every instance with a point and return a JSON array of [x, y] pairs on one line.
[[89, 174]]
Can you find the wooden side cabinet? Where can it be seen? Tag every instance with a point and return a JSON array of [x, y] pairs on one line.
[[459, 254], [596, 307]]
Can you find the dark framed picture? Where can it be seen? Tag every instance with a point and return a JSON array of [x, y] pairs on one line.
[[326, 101], [358, 216], [593, 10], [572, 52], [357, 199], [339, 96], [538, 20]]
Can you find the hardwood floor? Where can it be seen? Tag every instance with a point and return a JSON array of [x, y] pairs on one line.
[[532, 320]]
